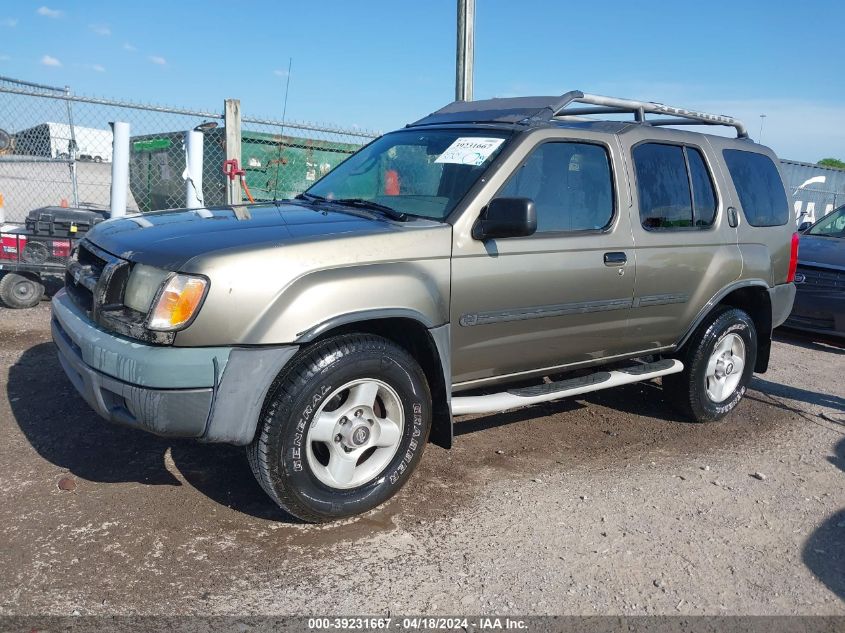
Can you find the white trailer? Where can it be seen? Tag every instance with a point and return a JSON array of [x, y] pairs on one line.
[[54, 140]]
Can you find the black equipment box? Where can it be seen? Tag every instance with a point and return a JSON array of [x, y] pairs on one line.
[[63, 221]]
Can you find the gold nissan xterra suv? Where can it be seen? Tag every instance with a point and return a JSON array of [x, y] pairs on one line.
[[445, 269]]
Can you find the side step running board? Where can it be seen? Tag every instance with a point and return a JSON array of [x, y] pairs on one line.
[[514, 398]]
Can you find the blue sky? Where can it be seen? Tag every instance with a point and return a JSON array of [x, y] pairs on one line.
[[379, 64]]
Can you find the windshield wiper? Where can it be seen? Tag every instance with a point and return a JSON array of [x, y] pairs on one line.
[[311, 197], [360, 203], [389, 212]]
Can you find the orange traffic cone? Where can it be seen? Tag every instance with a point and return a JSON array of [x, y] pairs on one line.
[[391, 182], [2, 210], [63, 204]]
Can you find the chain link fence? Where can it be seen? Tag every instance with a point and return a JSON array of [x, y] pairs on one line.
[[58, 151], [284, 159], [813, 204]]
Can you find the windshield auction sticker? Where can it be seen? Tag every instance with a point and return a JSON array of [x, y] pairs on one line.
[[470, 150]]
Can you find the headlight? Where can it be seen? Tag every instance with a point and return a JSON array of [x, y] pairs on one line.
[[178, 302], [142, 287]]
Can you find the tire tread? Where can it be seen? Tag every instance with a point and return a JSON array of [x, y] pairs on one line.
[[7, 297], [287, 385], [681, 387]]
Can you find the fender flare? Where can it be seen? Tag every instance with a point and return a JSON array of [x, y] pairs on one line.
[[363, 315], [442, 430], [714, 301]]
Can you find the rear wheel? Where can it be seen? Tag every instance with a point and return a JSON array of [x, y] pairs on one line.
[[343, 428], [18, 291], [718, 365]]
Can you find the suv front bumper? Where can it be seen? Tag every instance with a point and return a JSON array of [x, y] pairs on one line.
[[211, 393], [822, 312]]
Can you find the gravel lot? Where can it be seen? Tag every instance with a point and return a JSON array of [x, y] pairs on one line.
[[607, 504]]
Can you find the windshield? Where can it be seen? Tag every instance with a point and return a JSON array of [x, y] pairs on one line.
[[418, 172], [832, 225]]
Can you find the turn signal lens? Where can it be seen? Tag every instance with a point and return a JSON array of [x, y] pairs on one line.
[[177, 303]]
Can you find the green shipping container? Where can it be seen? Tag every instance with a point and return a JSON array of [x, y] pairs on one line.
[[277, 166]]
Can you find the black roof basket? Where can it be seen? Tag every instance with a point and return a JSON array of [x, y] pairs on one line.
[[535, 110]]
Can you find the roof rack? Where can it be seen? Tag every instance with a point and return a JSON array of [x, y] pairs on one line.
[[598, 104], [537, 110]]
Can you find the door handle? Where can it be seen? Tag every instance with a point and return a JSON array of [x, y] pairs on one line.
[[615, 259], [732, 217]]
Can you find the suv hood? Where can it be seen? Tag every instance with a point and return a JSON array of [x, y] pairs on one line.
[[171, 239], [817, 250]]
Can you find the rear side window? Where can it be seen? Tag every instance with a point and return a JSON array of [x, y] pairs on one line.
[[663, 186], [759, 187], [674, 187]]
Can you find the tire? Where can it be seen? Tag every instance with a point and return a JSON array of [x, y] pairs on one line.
[[35, 253], [19, 292], [711, 385], [303, 449]]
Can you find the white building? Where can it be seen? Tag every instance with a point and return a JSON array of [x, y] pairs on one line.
[[55, 140]]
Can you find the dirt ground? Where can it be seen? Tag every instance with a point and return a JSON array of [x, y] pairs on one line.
[[606, 504]]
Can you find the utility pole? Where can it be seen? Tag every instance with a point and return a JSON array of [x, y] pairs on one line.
[[465, 57], [762, 118]]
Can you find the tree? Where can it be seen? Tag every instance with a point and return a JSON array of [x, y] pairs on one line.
[[831, 162]]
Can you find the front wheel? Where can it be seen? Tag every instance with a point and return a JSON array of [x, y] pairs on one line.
[[718, 363], [18, 291], [342, 429]]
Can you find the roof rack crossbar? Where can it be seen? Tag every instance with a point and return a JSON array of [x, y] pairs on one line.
[[615, 105], [594, 110], [664, 122]]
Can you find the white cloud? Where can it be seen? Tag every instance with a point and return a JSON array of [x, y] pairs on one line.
[[128, 47], [280, 73], [10, 22], [47, 60], [5, 58], [47, 12], [158, 60], [100, 29]]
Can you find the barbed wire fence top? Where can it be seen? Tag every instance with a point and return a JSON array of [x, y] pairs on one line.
[[61, 151]]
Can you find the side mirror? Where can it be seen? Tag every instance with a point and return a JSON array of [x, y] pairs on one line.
[[804, 226], [506, 217]]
